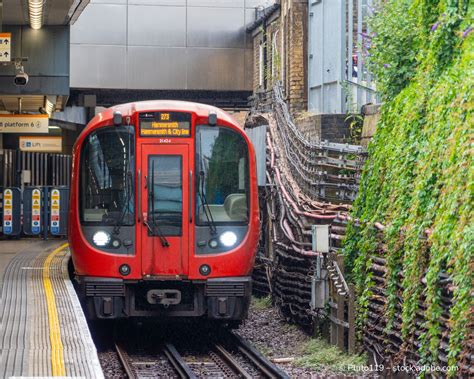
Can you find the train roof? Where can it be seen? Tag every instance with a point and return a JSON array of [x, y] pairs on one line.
[[201, 110]]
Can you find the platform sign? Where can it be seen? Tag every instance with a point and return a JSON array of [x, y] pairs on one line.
[[24, 123], [55, 207], [11, 223], [5, 47], [50, 144], [36, 211]]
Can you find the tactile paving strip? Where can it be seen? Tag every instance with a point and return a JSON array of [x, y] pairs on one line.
[[26, 345]]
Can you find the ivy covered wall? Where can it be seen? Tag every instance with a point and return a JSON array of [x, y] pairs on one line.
[[419, 179]]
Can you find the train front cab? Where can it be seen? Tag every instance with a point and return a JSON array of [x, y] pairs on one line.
[[168, 225]]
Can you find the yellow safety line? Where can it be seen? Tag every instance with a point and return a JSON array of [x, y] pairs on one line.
[[57, 359]]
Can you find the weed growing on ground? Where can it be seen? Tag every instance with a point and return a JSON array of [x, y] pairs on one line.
[[261, 303], [317, 354]]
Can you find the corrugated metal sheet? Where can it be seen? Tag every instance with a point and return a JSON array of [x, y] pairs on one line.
[[164, 45], [258, 136], [339, 82]]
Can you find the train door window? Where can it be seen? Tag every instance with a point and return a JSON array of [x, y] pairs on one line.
[[165, 195]]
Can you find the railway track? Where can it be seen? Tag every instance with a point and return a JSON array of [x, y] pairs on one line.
[[224, 356]]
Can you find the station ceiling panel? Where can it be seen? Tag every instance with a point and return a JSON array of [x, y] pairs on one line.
[[31, 103], [56, 12]]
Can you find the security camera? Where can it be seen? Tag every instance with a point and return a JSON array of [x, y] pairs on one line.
[[21, 79]]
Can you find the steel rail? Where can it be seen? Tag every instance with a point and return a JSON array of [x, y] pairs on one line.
[[178, 362], [262, 363], [125, 362], [232, 362]]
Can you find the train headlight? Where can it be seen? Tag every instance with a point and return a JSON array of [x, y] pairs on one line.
[[228, 239], [101, 238]]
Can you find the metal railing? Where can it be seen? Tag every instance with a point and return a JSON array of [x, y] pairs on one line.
[[325, 170]]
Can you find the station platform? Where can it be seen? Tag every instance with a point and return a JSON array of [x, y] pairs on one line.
[[43, 332]]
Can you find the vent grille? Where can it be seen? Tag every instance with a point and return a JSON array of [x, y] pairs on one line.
[[105, 289], [225, 289]]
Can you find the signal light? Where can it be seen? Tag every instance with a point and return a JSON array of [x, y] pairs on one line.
[[124, 269], [205, 270]]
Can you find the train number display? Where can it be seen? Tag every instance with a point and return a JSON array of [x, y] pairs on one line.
[[165, 124]]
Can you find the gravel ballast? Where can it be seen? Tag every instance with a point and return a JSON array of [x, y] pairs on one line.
[[274, 337], [265, 328]]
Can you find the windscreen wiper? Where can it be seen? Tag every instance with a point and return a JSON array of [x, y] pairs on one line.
[[126, 208], [155, 227], [205, 204], [128, 189]]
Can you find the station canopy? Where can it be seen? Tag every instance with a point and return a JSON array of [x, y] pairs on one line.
[[37, 14]]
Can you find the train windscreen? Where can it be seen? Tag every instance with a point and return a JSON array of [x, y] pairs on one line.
[[222, 176], [107, 177]]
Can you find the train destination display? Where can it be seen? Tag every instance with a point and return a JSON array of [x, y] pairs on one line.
[[165, 124]]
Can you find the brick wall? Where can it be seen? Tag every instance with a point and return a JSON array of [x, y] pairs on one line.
[[310, 127], [291, 57], [295, 31], [256, 61], [371, 118], [272, 69], [264, 36], [325, 127]]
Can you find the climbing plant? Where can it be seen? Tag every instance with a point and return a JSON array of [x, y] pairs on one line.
[[419, 178]]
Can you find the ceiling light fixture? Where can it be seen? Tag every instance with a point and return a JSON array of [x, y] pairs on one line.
[[36, 13]]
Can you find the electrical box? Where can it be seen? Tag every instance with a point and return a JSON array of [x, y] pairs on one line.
[[321, 238], [26, 176], [319, 284]]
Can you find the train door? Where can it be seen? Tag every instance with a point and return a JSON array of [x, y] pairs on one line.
[[165, 202]]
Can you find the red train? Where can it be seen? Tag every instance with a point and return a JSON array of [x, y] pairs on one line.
[[164, 217]]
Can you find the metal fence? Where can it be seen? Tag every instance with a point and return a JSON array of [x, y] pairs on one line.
[[19, 168], [341, 306], [339, 81]]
